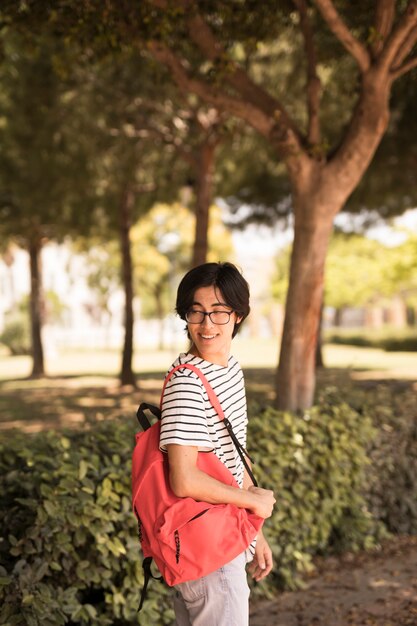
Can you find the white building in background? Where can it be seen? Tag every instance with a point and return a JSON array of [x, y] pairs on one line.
[[14, 281], [81, 325]]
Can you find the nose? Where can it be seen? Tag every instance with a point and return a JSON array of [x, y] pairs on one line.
[[207, 321]]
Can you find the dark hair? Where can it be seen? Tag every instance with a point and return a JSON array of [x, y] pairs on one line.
[[226, 277]]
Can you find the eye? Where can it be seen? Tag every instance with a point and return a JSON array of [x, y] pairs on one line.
[[194, 316], [220, 317]]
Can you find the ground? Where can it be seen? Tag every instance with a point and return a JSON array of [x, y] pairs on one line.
[[377, 588]]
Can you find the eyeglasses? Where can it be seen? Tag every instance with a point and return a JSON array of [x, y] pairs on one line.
[[216, 317]]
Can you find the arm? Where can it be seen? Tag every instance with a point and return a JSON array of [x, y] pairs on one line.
[[188, 480], [262, 561]]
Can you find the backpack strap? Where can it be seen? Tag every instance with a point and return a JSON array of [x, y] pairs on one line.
[[147, 575], [140, 414], [214, 401]]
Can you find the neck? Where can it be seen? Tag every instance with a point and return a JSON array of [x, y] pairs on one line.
[[217, 359]]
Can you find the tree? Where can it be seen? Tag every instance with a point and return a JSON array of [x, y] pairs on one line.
[[195, 132], [401, 270], [132, 166], [225, 53], [380, 42], [355, 271], [43, 161], [360, 272]]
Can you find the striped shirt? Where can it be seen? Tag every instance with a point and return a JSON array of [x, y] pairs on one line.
[[189, 419]]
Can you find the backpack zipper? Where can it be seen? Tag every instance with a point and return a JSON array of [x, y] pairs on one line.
[[177, 546]]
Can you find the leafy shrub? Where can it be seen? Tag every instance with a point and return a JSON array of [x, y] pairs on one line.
[[70, 552], [315, 464], [387, 339], [391, 484], [350, 339], [399, 344], [15, 337]]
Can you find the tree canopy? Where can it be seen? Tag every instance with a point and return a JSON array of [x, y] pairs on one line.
[[359, 271]]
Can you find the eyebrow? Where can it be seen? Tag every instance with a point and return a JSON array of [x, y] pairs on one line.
[[214, 304]]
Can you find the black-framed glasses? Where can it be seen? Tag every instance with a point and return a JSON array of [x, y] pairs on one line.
[[217, 317]]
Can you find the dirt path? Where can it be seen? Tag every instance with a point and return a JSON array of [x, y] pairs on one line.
[[367, 589]]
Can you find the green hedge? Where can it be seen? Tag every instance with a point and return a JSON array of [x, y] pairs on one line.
[[316, 465], [70, 552], [16, 335], [391, 484], [388, 340]]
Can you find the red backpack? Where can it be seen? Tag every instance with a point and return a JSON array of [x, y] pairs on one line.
[[186, 538]]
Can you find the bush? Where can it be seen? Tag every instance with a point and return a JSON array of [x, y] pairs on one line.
[[386, 339], [391, 485], [350, 339], [315, 464], [70, 552], [399, 344], [15, 337]]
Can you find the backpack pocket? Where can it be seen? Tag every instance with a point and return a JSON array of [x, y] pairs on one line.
[[196, 538]]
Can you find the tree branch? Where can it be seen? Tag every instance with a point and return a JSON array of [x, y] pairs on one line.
[[397, 42], [384, 19], [403, 69], [343, 34], [269, 125], [202, 36], [406, 47], [257, 118], [200, 33], [313, 81]]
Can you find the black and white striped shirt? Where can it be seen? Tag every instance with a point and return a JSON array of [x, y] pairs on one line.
[[189, 419]]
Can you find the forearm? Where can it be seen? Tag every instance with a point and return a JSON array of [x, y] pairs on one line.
[[200, 486], [187, 480]]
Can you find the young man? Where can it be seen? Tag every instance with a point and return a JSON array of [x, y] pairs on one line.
[[213, 299]]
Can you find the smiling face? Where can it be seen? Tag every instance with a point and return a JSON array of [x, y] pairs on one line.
[[211, 341]]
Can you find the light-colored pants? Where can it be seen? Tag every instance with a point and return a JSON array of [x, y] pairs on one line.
[[218, 599]]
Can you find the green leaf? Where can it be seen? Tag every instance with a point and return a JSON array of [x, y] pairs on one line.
[[83, 469]]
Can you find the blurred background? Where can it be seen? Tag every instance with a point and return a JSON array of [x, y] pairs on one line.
[[140, 139]]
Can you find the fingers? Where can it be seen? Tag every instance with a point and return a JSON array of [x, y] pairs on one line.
[[260, 572], [261, 566]]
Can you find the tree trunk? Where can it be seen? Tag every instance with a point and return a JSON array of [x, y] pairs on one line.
[[411, 315], [204, 198], [320, 190], [296, 368], [338, 317], [397, 312], [126, 375], [36, 308]]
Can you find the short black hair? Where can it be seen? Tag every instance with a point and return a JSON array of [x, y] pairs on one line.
[[226, 277]]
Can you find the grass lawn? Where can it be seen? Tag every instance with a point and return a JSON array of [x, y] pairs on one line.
[[82, 386]]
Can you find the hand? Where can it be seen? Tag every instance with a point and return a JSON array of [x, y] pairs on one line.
[[263, 502], [262, 561]]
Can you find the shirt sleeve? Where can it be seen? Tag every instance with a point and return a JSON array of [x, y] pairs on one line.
[[184, 420]]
